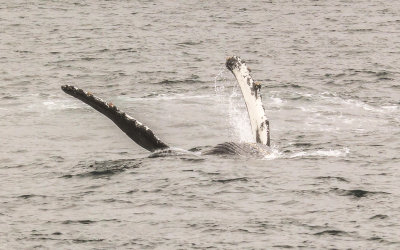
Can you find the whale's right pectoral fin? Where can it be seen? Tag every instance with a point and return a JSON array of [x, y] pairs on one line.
[[138, 132]]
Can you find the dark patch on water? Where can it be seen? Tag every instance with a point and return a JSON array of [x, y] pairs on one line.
[[292, 85], [131, 50], [385, 79], [192, 159], [356, 193], [231, 180], [208, 173], [104, 169], [85, 222], [189, 43], [302, 144], [332, 178], [57, 158], [99, 173], [89, 59], [244, 23], [332, 232], [381, 240], [24, 51], [379, 216], [283, 246], [9, 97], [132, 191], [86, 240], [28, 196], [186, 81], [111, 200]]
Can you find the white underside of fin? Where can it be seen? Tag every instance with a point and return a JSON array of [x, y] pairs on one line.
[[252, 97]]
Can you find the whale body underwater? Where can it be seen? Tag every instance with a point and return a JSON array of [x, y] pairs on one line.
[[145, 137]]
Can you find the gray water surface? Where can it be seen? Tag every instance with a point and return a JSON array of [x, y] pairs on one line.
[[70, 179]]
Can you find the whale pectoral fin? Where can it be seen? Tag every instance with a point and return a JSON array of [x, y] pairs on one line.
[[138, 132], [251, 91]]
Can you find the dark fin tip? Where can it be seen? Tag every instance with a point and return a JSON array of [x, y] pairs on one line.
[[232, 62]]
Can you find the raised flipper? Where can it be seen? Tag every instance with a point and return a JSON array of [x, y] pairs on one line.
[[138, 132], [252, 97]]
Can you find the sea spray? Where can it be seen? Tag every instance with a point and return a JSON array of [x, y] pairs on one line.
[[230, 98]]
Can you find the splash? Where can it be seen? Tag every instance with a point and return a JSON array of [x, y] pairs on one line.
[[238, 117], [230, 97]]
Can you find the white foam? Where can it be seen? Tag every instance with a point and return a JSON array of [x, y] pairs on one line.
[[276, 101], [330, 153], [275, 154], [333, 98], [391, 108], [55, 105], [359, 104]]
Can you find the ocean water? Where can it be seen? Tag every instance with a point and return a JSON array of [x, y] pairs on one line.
[[70, 179]]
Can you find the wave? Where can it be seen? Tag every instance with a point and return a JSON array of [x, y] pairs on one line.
[[324, 101], [155, 96], [103, 169], [65, 104], [335, 99]]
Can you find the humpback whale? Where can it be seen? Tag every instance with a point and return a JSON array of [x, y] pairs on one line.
[[145, 137]]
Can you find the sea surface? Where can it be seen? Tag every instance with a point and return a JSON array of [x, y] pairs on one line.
[[70, 179]]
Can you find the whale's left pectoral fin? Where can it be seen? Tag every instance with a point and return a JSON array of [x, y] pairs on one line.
[[251, 91], [138, 132]]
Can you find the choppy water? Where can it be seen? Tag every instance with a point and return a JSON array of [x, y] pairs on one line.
[[69, 179]]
